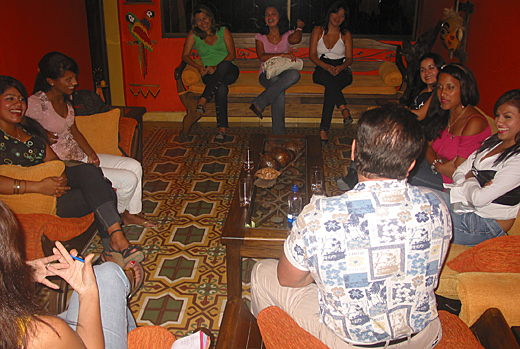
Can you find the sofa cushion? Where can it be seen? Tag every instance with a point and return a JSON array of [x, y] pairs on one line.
[[127, 130], [497, 255], [455, 333], [280, 331], [480, 291], [448, 280], [390, 74], [32, 202], [33, 226], [101, 131], [151, 337]]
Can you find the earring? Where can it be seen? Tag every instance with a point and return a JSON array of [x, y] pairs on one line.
[[52, 84]]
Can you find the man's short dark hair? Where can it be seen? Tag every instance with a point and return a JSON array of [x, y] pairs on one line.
[[388, 140]]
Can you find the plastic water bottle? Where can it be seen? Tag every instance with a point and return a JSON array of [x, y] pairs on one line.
[[294, 205]]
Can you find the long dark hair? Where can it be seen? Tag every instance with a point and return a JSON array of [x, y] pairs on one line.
[[214, 25], [417, 85], [334, 8], [510, 97], [53, 65], [18, 301], [437, 119], [30, 125], [283, 22]]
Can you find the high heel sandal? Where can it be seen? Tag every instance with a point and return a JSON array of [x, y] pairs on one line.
[[257, 111], [324, 141], [200, 109], [347, 120], [123, 257]]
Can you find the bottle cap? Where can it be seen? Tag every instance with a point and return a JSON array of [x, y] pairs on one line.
[[295, 188]]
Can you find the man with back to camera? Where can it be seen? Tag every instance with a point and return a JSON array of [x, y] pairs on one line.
[[359, 270]]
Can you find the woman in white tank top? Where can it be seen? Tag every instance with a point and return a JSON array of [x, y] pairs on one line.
[[331, 50]]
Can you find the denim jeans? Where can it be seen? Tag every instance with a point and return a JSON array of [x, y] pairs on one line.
[[334, 86], [422, 176], [470, 229], [217, 83], [274, 95], [89, 192], [116, 318]]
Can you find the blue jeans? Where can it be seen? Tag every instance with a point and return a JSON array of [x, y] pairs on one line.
[[116, 318], [470, 229], [217, 84], [274, 95], [422, 176]]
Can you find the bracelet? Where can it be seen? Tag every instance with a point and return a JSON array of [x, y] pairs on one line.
[[16, 186], [298, 29], [433, 165]]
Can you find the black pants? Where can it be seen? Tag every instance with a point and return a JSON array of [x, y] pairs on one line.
[[89, 192], [333, 87], [217, 83]]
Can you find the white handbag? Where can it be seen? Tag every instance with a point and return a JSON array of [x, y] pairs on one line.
[[276, 65]]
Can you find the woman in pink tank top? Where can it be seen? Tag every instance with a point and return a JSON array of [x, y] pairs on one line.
[[453, 125]]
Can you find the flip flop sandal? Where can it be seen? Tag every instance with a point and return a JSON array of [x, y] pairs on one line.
[[123, 257], [135, 283], [220, 136], [200, 109]]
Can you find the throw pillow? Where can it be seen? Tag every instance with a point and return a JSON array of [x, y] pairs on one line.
[[455, 333], [498, 255], [32, 203], [101, 131]]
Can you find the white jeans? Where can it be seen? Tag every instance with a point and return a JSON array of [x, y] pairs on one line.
[[126, 176], [302, 305]]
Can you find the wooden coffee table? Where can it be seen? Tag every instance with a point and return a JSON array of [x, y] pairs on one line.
[[265, 240]]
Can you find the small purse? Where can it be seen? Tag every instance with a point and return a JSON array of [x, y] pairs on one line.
[[276, 65]]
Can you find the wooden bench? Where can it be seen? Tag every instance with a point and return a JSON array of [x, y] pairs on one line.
[[376, 81]]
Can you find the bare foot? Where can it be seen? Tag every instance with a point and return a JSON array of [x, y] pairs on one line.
[[137, 219]]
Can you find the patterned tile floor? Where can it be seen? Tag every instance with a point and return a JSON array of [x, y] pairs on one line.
[[188, 188]]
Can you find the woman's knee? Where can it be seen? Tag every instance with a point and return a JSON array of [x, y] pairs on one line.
[[293, 75]]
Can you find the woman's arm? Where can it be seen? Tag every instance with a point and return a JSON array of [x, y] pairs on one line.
[[188, 46], [423, 110], [230, 45], [84, 145], [54, 333], [313, 49], [296, 36], [262, 56], [80, 276], [349, 54]]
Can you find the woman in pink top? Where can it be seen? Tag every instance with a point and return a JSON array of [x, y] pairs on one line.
[[453, 125], [275, 40]]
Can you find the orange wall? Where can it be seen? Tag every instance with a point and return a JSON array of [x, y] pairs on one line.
[[166, 56], [493, 44], [31, 28]]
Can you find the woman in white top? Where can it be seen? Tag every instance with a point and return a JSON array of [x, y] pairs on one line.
[[331, 50], [489, 179]]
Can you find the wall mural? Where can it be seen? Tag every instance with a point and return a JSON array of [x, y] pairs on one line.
[[139, 30]]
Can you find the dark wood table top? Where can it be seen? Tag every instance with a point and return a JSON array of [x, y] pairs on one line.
[[235, 231]]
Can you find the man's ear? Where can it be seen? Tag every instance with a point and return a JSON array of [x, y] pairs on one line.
[[412, 165], [353, 149]]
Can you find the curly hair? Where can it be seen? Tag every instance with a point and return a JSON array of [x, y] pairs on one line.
[[283, 23]]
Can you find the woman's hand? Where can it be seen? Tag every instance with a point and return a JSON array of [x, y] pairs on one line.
[[53, 186], [53, 137], [93, 159], [446, 167], [300, 24], [211, 69], [80, 276], [332, 70], [202, 70], [290, 55], [40, 272]]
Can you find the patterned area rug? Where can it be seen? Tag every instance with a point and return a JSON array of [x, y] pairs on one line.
[[188, 188]]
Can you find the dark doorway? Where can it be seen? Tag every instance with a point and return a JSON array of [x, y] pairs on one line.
[[98, 45]]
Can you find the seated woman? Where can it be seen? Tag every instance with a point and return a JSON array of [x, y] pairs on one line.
[[79, 191], [453, 127], [97, 314], [489, 180], [51, 106], [331, 50], [274, 40], [424, 83], [216, 49]]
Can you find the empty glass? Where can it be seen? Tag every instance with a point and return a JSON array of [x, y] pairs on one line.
[[248, 160], [245, 188], [317, 187]]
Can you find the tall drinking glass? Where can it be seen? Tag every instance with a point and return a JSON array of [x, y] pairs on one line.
[[317, 187]]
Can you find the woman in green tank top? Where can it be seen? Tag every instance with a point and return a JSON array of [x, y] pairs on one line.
[[216, 49]]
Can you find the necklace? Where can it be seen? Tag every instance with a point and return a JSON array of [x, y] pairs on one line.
[[453, 123], [17, 133]]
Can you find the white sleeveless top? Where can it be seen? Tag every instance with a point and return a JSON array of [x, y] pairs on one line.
[[336, 52]]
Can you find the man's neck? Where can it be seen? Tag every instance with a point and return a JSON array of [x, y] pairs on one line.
[[362, 178]]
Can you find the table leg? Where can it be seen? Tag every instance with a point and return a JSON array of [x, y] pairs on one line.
[[234, 271]]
